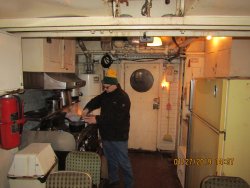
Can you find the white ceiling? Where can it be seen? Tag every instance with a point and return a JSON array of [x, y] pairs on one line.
[[53, 8], [217, 7], [34, 18], [66, 8]]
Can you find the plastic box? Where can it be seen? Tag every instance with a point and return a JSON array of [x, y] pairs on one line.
[[32, 165]]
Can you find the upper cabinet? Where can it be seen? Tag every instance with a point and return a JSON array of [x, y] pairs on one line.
[[11, 63], [69, 54], [227, 57], [49, 55]]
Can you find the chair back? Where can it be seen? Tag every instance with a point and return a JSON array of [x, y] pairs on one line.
[[69, 179], [83, 161], [223, 182]]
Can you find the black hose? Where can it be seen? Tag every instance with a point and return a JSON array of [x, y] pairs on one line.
[[82, 45]]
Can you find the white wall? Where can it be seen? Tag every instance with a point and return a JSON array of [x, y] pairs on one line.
[[169, 117]]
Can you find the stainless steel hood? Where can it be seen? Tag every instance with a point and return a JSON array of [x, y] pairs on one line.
[[46, 80]]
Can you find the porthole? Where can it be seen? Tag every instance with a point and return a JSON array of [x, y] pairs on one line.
[[141, 80]]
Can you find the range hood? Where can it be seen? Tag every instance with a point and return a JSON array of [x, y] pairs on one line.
[[49, 80]]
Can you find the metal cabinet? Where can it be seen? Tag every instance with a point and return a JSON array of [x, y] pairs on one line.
[[48, 55]]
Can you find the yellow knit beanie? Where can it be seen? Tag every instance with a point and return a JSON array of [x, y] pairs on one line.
[[110, 77]]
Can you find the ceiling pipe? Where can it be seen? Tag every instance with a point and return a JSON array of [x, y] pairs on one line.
[[180, 6], [114, 8]]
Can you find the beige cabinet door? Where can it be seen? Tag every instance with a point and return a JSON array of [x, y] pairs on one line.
[[69, 55], [11, 63], [144, 112], [33, 55], [48, 55], [53, 55], [210, 64], [223, 63]]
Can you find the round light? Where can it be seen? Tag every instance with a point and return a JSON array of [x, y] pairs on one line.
[[209, 37], [156, 42]]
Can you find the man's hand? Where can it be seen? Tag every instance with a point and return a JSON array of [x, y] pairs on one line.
[[90, 119], [85, 112]]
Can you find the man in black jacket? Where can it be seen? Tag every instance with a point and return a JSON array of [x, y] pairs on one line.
[[113, 123]]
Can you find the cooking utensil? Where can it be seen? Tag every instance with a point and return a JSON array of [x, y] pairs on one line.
[[76, 126], [66, 97], [75, 93], [54, 103]]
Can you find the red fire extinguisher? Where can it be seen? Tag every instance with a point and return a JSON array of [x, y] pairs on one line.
[[11, 121]]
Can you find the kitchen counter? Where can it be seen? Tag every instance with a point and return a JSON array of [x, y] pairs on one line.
[[59, 140]]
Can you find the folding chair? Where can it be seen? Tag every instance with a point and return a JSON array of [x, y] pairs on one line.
[[69, 179], [223, 182], [83, 161]]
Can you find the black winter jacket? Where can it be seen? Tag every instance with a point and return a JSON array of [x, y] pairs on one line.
[[114, 119]]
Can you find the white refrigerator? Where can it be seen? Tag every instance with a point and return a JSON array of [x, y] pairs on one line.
[[219, 130]]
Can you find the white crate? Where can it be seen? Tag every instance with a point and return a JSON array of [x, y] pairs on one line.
[[31, 182], [33, 161]]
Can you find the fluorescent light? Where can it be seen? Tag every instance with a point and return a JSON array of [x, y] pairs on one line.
[[156, 42]]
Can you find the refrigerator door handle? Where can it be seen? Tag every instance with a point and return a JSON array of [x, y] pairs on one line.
[[191, 95], [209, 125], [215, 90]]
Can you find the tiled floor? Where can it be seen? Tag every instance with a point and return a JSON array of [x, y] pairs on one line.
[[153, 170]]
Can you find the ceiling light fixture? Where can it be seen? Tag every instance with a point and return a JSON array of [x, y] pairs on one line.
[[209, 37], [156, 42]]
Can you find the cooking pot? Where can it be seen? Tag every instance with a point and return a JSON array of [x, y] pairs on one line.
[[54, 103], [76, 126], [66, 97], [75, 93]]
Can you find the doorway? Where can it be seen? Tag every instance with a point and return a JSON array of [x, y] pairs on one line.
[[141, 81]]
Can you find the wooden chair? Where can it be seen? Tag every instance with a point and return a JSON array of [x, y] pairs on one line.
[[223, 182], [83, 161], [69, 179]]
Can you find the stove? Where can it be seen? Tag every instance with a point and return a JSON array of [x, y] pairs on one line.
[[36, 114], [48, 120], [86, 139]]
